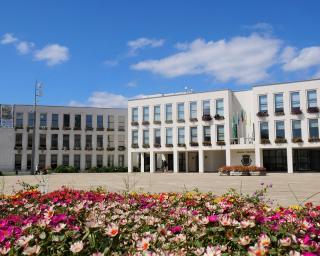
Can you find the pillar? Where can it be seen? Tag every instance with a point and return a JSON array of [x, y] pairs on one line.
[[187, 161], [129, 162], [289, 160], [175, 161], [258, 157], [201, 161], [152, 169], [141, 162], [228, 157]]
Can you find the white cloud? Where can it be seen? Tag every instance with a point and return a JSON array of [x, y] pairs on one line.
[[263, 27], [306, 58], [8, 38], [111, 63], [24, 47], [142, 43], [131, 84], [243, 59], [53, 54], [317, 75], [288, 54]]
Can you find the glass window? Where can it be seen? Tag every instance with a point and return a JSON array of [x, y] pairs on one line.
[[29, 157], [42, 160], [111, 122], [156, 113], [54, 141], [88, 162], [54, 161], [121, 139], [43, 141], [206, 133], [168, 112], [19, 120], [135, 137], [77, 162], [30, 139], [146, 137], [193, 134], [296, 129], [263, 103], [312, 98], [313, 128], [55, 121], [110, 141], [89, 121], [65, 160], [121, 123], [18, 140], [99, 141], [88, 141], [65, 141], [206, 107], [100, 121], [135, 115], [121, 160], [43, 119], [99, 161], [157, 136], [66, 120], [180, 111], [145, 113], [77, 141], [110, 160], [264, 130], [193, 109], [220, 132], [181, 136], [169, 136], [17, 161], [30, 119], [220, 107], [280, 131], [278, 102], [295, 100], [77, 122]]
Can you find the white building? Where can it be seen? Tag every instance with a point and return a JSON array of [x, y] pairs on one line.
[[82, 137], [275, 126]]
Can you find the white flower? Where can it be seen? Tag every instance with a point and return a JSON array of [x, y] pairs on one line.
[[23, 240], [285, 241], [76, 247], [213, 251], [34, 250], [112, 230]]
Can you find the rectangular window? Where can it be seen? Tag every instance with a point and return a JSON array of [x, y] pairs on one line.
[[66, 121], [146, 137], [89, 121], [29, 157], [169, 136], [121, 139], [264, 130], [55, 121], [181, 136], [312, 98], [295, 100], [193, 109], [54, 141], [181, 111], [280, 131], [135, 115], [65, 141], [121, 123], [110, 160], [65, 160], [18, 140], [77, 162], [19, 120], [193, 134], [99, 161], [77, 142], [43, 120], [206, 107], [42, 161], [17, 162], [100, 141], [207, 133], [100, 122], [43, 141], [145, 114], [89, 141], [168, 112], [77, 122], [135, 137], [157, 113], [110, 141], [263, 103], [30, 139], [296, 129], [157, 136], [220, 132], [278, 102], [313, 128], [54, 161], [121, 160], [110, 122], [30, 119], [219, 107], [88, 162]]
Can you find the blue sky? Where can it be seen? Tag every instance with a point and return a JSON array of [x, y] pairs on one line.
[[100, 53]]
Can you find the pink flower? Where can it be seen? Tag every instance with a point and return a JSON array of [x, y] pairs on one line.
[[245, 240], [264, 240], [285, 241], [213, 218], [257, 250], [143, 244], [112, 230], [176, 229], [213, 251], [76, 247]]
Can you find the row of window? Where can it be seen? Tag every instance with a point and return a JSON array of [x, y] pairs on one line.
[[294, 101], [206, 110], [66, 161], [66, 141], [295, 126], [66, 121], [180, 136]]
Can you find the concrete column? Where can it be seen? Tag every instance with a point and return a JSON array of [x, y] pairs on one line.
[[152, 166], [129, 161], [228, 157], [187, 161], [175, 161], [258, 157], [141, 162], [201, 161], [289, 160]]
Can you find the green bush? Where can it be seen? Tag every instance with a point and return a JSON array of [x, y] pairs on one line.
[[105, 169], [65, 169]]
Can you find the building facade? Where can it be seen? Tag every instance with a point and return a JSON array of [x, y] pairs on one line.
[[82, 137], [275, 126]]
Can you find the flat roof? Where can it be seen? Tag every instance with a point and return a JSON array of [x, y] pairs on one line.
[[52, 106]]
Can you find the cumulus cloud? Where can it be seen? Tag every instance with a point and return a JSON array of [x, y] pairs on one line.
[[142, 43], [24, 47], [8, 38], [243, 59], [53, 54]]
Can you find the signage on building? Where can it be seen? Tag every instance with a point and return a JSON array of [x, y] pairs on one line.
[[6, 116]]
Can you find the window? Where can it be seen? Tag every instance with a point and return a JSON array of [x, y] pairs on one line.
[[88, 162], [207, 134], [135, 115], [17, 161], [295, 100], [29, 161], [100, 141], [278, 102], [220, 132], [77, 162], [54, 161], [135, 137], [65, 141], [42, 161], [181, 136], [169, 136], [181, 111], [121, 139], [168, 112], [313, 128], [77, 141], [110, 122], [193, 109], [43, 141], [66, 121], [30, 119], [100, 122], [146, 137], [312, 98], [121, 123], [264, 130], [206, 107], [30, 139], [121, 160], [193, 134], [280, 131], [43, 119], [54, 141], [77, 122], [110, 141], [156, 113], [55, 121], [65, 160], [145, 114], [157, 136], [99, 161], [263, 103], [219, 107], [19, 120], [89, 121], [110, 160], [296, 129], [18, 140], [89, 141]]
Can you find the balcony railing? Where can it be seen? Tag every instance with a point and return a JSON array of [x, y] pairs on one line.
[[241, 141]]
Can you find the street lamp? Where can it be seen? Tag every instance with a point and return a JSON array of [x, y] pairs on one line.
[[37, 93]]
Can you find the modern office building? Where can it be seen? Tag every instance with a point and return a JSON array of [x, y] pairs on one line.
[[82, 137], [275, 126]]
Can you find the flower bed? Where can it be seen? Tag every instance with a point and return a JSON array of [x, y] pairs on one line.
[[72, 222], [240, 170]]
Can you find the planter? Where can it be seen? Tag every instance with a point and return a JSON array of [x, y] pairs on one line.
[[134, 123], [66, 128], [146, 146], [206, 118], [88, 148], [168, 121], [206, 143], [182, 145], [221, 143], [110, 129], [169, 145], [77, 128], [145, 123], [239, 173], [313, 110], [110, 148], [100, 129], [156, 122], [180, 120], [121, 148], [99, 148], [314, 139], [262, 114], [297, 140], [218, 117], [194, 144], [296, 111], [77, 148], [257, 173], [54, 128], [156, 145], [279, 113], [135, 145], [224, 173], [280, 140], [193, 119], [265, 141], [241, 170]]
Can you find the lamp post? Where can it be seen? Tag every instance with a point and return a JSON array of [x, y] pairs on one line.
[[37, 94]]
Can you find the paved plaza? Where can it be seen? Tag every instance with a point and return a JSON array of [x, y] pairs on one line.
[[287, 189]]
